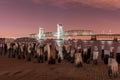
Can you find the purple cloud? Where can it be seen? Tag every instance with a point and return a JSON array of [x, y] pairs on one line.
[[105, 4]]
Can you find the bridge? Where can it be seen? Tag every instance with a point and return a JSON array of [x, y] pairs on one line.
[[90, 37], [95, 37], [74, 34]]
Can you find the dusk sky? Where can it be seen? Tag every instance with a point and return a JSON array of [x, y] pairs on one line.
[[23, 17]]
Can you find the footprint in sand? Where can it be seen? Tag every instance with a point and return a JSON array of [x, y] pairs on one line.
[[6, 73], [17, 72]]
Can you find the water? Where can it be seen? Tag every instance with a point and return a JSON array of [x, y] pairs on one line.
[[106, 44]]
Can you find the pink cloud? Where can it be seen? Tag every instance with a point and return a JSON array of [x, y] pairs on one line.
[[106, 4]]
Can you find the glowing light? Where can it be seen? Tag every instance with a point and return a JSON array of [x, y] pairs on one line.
[[75, 41], [69, 38], [85, 41], [109, 42], [60, 32], [91, 42], [41, 35], [102, 42], [60, 39]]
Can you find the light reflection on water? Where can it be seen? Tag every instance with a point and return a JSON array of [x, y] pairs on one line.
[[85, 41], [109, 42], [102, 42], [91, 42]]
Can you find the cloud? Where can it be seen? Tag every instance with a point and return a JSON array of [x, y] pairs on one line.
[[105, 4]]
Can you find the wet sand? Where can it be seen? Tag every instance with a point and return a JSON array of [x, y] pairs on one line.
[[14, 69]]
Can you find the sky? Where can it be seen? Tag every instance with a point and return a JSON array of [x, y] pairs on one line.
[[20, 18]]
